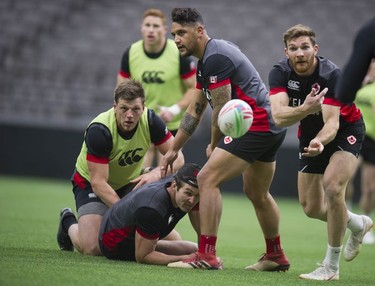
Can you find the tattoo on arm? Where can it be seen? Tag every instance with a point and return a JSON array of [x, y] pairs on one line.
[[199, 108], [189, 123], [219, 96]]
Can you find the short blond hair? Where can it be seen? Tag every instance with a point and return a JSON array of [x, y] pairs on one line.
[[155, 13]]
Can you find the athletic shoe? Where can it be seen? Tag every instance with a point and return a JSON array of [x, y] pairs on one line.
[[271, 262], [322, 273], [63, 239], [369, 238], [200, 261], [354, 243]]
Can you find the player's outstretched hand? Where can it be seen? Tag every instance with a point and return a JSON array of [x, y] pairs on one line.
[[314, 149], [314, 100], [149, 177]]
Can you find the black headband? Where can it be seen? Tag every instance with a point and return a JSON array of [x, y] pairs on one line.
[[188, 173]]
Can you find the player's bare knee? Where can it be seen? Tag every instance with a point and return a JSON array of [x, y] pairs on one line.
[[311, 210], [334, 190], [205, 179], [258, 198], [91, 249]]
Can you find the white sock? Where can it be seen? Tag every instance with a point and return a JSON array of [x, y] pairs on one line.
[[332, 258], [355, 222]]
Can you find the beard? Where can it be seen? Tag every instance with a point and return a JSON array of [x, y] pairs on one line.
[[303, 67], [184, 52]]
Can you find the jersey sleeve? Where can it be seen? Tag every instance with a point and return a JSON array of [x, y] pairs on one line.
[[332, 83], [187, 67], [98, 140], [329, 97], [158, 130], [277, 81], [124, 67], [358, 64], [149, 222], [218, 70]]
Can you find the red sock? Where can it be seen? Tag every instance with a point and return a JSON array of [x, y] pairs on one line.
[[207, 244], [273, 245]]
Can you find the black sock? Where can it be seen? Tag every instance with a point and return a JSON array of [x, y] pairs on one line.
[[68, 221]]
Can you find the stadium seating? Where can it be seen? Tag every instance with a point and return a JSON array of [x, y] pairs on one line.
[[59, 59]]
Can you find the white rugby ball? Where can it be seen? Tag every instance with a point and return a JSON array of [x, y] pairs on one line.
[[235, 118]]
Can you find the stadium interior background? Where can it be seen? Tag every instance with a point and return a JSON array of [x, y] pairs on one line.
[[60, 58]]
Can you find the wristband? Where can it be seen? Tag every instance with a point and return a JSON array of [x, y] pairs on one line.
[[174, 109]]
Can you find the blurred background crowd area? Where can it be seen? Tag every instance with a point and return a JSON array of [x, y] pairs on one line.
[[60, 59]]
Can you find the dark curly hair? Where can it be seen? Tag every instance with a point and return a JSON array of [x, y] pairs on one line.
[[186, 16]]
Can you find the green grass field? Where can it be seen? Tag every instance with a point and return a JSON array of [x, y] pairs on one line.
[[29, 255]]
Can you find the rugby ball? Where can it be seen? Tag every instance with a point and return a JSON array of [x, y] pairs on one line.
[[235, 118]]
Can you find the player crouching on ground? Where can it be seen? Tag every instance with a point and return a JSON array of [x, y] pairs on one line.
[[133, 228]]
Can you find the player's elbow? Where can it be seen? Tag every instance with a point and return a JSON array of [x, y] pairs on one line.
[[278, 121], [140, 258], [96, 185], [275, 116]]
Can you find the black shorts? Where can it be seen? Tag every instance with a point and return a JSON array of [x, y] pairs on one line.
[[254, 146], [123, 250], [349, 139], [368, 150], [86, 200]]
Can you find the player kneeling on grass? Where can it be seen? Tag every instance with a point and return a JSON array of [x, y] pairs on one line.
[[109, 165], [133, 228]]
